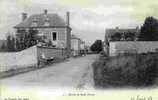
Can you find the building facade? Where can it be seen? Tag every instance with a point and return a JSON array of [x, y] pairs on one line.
[[75, 45]]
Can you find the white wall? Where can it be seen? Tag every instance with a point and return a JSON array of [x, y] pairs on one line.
[[132, 46], [16, 60], [61, 35], [75, 44]]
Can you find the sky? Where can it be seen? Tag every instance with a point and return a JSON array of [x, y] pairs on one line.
[[88, 18]]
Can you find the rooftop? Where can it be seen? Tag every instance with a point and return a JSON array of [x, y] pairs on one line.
[[41, 19]]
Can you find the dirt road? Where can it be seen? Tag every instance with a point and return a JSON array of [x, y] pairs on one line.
[[74, 73]]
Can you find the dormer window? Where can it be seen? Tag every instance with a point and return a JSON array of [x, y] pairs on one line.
[[34, 23]]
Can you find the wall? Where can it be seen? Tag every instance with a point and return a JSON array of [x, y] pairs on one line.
[[75, 46], [20, 59], [28, 57], [51, 52], [132, 47]]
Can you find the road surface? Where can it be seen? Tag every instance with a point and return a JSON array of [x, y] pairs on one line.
[[74, 73]]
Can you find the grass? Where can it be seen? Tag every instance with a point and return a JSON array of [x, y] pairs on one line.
[[139, 70]]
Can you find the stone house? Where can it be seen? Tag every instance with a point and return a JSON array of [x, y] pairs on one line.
[[50, 25]]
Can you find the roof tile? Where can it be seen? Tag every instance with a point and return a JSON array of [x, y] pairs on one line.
[[54, 20]]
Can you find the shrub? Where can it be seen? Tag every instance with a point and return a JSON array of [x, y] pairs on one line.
[[132, 70]]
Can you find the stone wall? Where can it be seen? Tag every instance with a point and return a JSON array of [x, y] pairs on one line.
[[51, 52], [16, 60], [121, 47], [28, 57]]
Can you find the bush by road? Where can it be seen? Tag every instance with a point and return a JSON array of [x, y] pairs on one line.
[[137, 70]]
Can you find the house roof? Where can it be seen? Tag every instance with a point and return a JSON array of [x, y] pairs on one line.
[[110, 32], [53, 20]]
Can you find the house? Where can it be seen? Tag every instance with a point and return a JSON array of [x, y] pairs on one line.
[[119, 44], [118, 34], [49, 25], [124, 34], [78, 46], [75, 45]]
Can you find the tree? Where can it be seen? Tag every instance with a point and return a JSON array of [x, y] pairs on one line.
[[32, 37], [116, 37], [97, 46], [10, 43], [149, 30], [13, 44], [3, 47], [17, 45], [26, 39], [129, 36]]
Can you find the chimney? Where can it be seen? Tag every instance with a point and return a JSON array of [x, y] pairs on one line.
[[24, 16], [45, 11], [67, 18]]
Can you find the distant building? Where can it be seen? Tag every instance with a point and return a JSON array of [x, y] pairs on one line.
[[75, 45], [83, 48], [78, 46], [52, 26], [118, 34], [109, 33]]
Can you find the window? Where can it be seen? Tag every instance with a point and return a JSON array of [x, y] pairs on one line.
[[54, 36]]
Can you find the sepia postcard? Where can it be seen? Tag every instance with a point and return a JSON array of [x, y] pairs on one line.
[[78, 50]]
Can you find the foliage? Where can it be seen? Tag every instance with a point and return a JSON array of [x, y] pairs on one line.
[[134, 70], [10, 43], [126, 36], [26, 39], [22, 40], [3, 47], [50, 43], [116, 37], [129, 36], [97, 46], [149, 30]]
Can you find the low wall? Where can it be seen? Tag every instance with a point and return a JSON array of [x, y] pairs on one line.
[[28, 57], [16, 60], [120, 47], [51, 52]]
